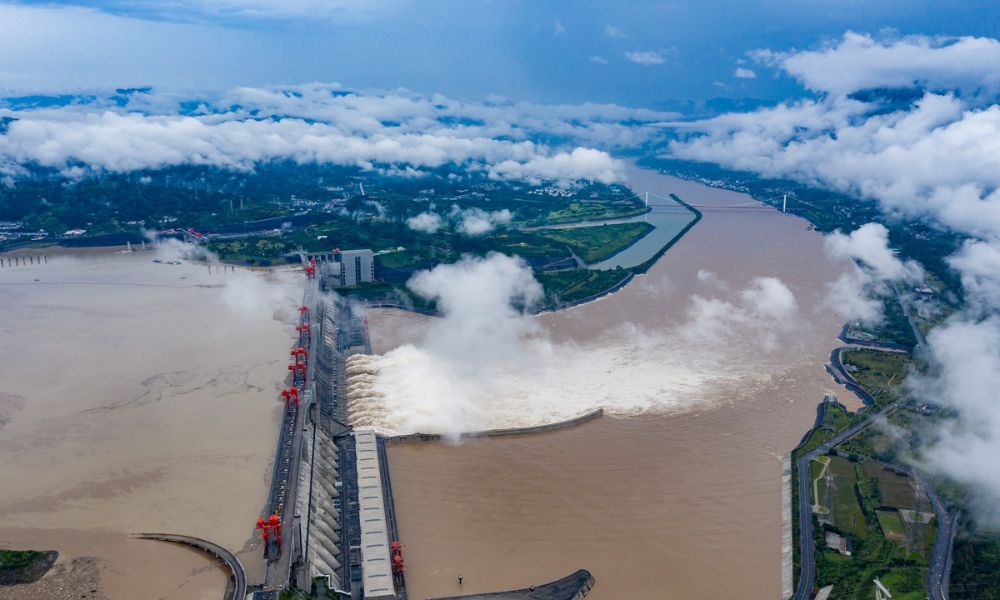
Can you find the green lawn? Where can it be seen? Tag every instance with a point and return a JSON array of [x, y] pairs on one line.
[[847, 513], [816, 467], [891, 524], [594, 244]]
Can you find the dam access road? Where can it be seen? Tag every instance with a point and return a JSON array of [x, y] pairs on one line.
[[285, 476]]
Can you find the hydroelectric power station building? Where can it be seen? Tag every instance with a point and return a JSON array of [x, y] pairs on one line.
[[345, 268]]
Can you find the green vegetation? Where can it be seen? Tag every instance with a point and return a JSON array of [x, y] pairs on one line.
[[890, 527], [293, 195], [883, 544], [24, 566], [894, 327], [18, 559], [591, 211], [574, 285], [835, 418], [880, 372], [265, 216], [894, 489], [848, 516], [891, 524], [975, 560], [817, 472], [594, 244]]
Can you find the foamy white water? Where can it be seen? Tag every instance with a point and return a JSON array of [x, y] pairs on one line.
[[717, 339]]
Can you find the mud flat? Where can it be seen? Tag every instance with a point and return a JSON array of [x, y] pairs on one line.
[[138, 397], [676, 492]]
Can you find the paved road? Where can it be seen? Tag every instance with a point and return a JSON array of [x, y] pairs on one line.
[[940, 563], [239, 590]]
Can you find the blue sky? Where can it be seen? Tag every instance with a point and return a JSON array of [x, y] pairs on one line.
[[522, 49]]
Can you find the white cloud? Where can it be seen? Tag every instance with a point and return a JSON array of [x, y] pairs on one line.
[[426, 222], [859, 61], [979, 264], [744, 73], [400, 133], [599, 60], [939, 159], [558, 28], [857, 294], [765, 309], [581, 163], [476, 221], [646, 57], [869, 245], [965, 357], [613, 31]]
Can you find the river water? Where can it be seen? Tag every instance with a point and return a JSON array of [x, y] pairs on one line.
[[709, 381], [137, 396]]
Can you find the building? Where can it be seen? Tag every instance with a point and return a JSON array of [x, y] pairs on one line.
[[376, 556], [346, 268]]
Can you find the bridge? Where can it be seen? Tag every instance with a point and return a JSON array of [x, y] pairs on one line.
[[238, 587]]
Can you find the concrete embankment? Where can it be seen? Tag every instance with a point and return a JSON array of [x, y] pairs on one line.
[[572, 587], [429, 437]]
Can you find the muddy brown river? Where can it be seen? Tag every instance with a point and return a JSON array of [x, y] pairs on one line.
[[674, 495], [137, 396]]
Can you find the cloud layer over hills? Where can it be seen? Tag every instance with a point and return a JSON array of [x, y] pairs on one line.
[[402, 131]]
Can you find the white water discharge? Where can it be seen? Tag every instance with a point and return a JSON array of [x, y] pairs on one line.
[[486, 365]]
